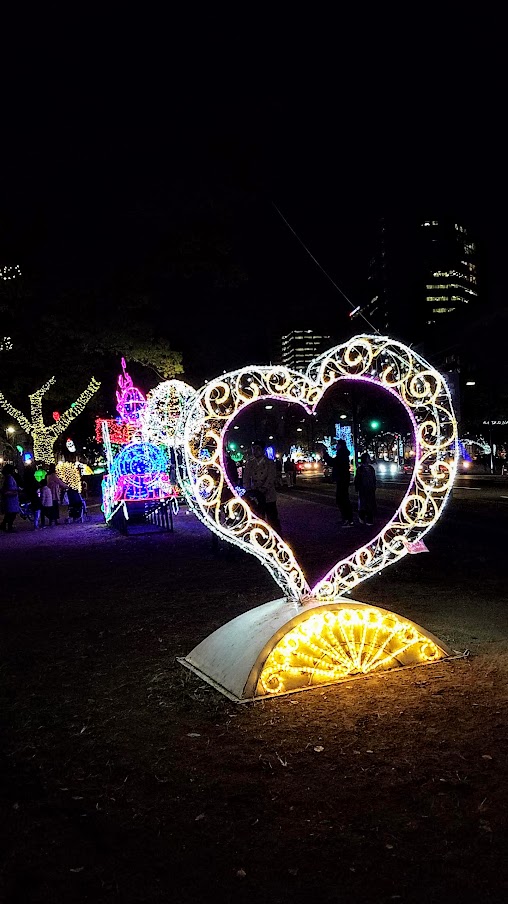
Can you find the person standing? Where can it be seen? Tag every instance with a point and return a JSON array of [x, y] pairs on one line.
[[290, 470], [46, 504], [365, 483], [56, 486], [10, 499], [342, 478], [259, 477], [31, 487]]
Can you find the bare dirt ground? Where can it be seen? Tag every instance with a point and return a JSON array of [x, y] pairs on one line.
[[125, 778]]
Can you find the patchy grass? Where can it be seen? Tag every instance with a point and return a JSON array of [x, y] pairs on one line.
[[125, 778]]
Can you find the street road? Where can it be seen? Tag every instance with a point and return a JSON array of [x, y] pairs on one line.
[[311, 522], [485, 487]]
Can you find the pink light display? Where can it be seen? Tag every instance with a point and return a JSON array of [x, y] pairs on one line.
[[130, 401]]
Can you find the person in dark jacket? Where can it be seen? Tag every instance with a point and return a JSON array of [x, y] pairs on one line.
[[342, 478], [365, 483], [10, 498]]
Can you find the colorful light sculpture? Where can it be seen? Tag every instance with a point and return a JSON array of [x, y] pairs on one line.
[[119, 433], [424, 394], [140, 471], [130, 401], [164, 407], [44, 436]]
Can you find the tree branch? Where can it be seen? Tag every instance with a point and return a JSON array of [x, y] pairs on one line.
[[77, 407], [18, 415]]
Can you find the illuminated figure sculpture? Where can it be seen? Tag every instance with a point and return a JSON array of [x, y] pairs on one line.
[[139, 471], [164, 407], [130, 401], [314, 635], [44, 436], [131, 405]]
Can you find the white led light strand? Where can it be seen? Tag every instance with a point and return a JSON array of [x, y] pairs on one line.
[[164, 407]]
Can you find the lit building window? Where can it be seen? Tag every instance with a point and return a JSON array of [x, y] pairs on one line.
[[6, 344], [10, 272]]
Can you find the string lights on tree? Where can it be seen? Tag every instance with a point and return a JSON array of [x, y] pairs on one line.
[[70, 475], [45, 435]]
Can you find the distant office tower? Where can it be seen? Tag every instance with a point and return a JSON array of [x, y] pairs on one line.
[[300, 347], [423, 279], [11, 288]]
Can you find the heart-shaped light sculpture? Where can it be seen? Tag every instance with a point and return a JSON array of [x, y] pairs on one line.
[[423, 392]]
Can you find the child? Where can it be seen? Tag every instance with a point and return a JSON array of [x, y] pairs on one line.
[[47, 504]]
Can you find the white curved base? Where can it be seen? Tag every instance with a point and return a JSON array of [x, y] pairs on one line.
[[232, 658]]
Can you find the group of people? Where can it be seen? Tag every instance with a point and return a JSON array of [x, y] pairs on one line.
[[364, 482], [259, 482], [44, 497]]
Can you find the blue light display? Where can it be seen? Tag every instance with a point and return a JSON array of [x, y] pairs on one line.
[[140, 458], [140, 472]]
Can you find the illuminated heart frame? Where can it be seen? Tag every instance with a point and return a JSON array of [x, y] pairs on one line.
[[374, 360]]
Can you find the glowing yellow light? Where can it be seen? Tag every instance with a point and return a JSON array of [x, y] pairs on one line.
[[376, 360], [44, 436], [69, 474], [339, 643]]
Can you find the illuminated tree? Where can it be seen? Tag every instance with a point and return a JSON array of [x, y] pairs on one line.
[[44, 436]]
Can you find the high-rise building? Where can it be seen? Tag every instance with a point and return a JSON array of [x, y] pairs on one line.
[[10, 280], [300, 347], [423, 279]]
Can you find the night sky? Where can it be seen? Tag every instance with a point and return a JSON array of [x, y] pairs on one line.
[[125, 174]]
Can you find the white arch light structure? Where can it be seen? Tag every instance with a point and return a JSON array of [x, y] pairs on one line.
[[424, 394]]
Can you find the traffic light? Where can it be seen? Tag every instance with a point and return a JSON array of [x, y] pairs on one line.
[[374, 425]]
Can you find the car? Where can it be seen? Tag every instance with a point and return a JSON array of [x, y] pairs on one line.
[[385, 468]]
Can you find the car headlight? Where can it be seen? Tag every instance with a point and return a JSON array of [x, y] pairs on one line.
[[382, 469], [393, 469]]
